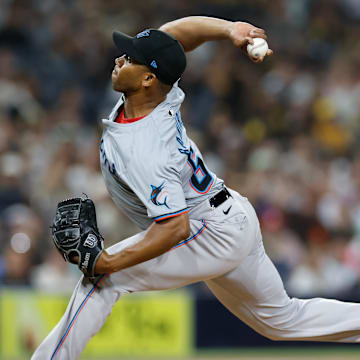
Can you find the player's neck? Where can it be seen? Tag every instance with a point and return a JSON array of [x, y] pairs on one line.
[[138, 105]]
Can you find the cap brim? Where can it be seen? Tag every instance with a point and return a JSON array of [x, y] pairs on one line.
[[126, 46]]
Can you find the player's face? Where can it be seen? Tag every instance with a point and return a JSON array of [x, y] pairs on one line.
[[127, 75]]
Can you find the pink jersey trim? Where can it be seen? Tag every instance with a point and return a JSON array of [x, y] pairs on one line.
[[182, 243], [168, 216], [67, 332], [205, 192]]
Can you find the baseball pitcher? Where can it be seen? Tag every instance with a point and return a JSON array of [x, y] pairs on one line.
[[194, 227]]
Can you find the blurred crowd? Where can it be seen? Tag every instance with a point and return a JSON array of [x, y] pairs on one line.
[[283, 133]]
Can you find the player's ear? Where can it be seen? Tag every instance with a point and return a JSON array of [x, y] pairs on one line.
[[149, 79]]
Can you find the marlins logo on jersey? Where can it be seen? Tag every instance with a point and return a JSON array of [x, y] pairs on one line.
[[159, 195]]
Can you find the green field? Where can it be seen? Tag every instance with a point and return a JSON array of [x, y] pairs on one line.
[[350, 353], [347, 353], [341, 353]]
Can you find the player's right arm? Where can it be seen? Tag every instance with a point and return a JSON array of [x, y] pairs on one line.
[[193, 31]]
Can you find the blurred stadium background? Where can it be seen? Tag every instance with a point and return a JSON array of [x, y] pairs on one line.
[[283, 133]]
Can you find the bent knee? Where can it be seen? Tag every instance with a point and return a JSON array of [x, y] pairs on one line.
[[277, 323]]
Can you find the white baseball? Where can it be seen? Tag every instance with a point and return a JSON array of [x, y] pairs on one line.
[[259, 48]]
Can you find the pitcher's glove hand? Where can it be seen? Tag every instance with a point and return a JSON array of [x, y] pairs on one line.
[[76, 235]]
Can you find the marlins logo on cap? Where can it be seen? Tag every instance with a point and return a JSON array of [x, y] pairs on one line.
[[143, 33]]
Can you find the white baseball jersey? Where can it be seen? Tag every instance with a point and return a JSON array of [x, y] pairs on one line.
[[152, 170]]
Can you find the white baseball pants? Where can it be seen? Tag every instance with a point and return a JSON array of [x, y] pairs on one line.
[[226, 252]]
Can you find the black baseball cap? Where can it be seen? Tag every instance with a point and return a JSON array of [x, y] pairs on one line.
[[156, 49]]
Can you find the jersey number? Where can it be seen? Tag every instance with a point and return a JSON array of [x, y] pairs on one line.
[[201, 180]]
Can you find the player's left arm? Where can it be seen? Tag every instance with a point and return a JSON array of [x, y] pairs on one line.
[[160, 237], [192, 31]]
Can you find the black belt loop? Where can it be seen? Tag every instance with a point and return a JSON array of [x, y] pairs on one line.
[[219, 198]]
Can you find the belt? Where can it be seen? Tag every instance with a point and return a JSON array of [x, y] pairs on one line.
[[219, 198]]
